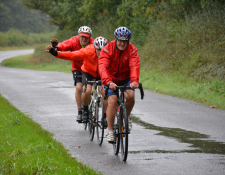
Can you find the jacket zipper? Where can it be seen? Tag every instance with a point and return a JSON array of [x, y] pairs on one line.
[[119, 67]]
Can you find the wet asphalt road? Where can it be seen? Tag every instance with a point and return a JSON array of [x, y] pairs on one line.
[[169, 136]]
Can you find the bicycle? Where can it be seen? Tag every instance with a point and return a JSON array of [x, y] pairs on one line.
[[95, 106], [121, 127]]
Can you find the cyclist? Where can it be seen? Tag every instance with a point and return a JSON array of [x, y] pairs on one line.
[[90, 55], [73, 44], [119, 65]]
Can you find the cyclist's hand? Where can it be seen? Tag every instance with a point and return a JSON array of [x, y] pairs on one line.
[[52, 50], [134, 85], [112, 86], [48, 48], [54, 42]]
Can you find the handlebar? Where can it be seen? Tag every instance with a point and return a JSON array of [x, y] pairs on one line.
[[125, 88], [98, 83]]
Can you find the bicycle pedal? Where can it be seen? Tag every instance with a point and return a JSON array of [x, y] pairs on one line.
[[79, 121]]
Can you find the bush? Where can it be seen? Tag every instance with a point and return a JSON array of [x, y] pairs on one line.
[[193, 46], [17, 38]]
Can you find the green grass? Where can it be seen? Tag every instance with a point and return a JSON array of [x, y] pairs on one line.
[[26, 148], [15, 38], [210, 92], [16, 48], [26, 62]]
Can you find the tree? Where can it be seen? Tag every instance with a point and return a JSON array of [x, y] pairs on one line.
[[14, 15]]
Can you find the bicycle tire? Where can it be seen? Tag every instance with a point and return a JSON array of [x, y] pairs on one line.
[[116, 145], [100, 121], [91, 127], [124, 130]]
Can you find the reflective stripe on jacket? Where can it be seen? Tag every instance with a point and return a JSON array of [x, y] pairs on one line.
[[73, 44], [116, 66], [87, 54]]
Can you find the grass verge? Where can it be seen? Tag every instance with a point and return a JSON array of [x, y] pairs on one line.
[[16, 48], [27, 62], [28, 149], [211, 93]]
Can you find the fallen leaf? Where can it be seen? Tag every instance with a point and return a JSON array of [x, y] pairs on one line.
[[212, 106]]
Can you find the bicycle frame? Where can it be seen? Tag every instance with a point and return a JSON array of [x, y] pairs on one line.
[[95, 94], [93, 108]]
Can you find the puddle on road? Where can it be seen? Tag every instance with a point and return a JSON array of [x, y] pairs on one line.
[[200, 142]]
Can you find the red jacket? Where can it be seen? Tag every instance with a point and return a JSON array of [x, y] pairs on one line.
[[87, 54], [73, 44], [116, 66]]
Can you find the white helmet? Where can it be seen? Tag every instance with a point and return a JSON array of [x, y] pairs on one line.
[[100, 42], [85, 29]]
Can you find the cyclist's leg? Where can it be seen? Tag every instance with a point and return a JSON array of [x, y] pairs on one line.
[[78, 93], [111, 110], [110, 113], [130, 100], [129, 96], [87, 95], [105, 104]]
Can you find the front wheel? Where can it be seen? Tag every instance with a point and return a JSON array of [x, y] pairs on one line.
[[116, 145], [124, 132], [91, 127]]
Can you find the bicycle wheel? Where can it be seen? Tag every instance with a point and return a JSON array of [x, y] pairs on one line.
[[116, 145], [124, 132], [91, 127], [100, 121]]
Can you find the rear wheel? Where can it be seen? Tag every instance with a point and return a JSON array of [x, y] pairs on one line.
[[100, 121], [124, 132]]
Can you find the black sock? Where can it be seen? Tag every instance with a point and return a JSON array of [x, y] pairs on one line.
[[86, 108]]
